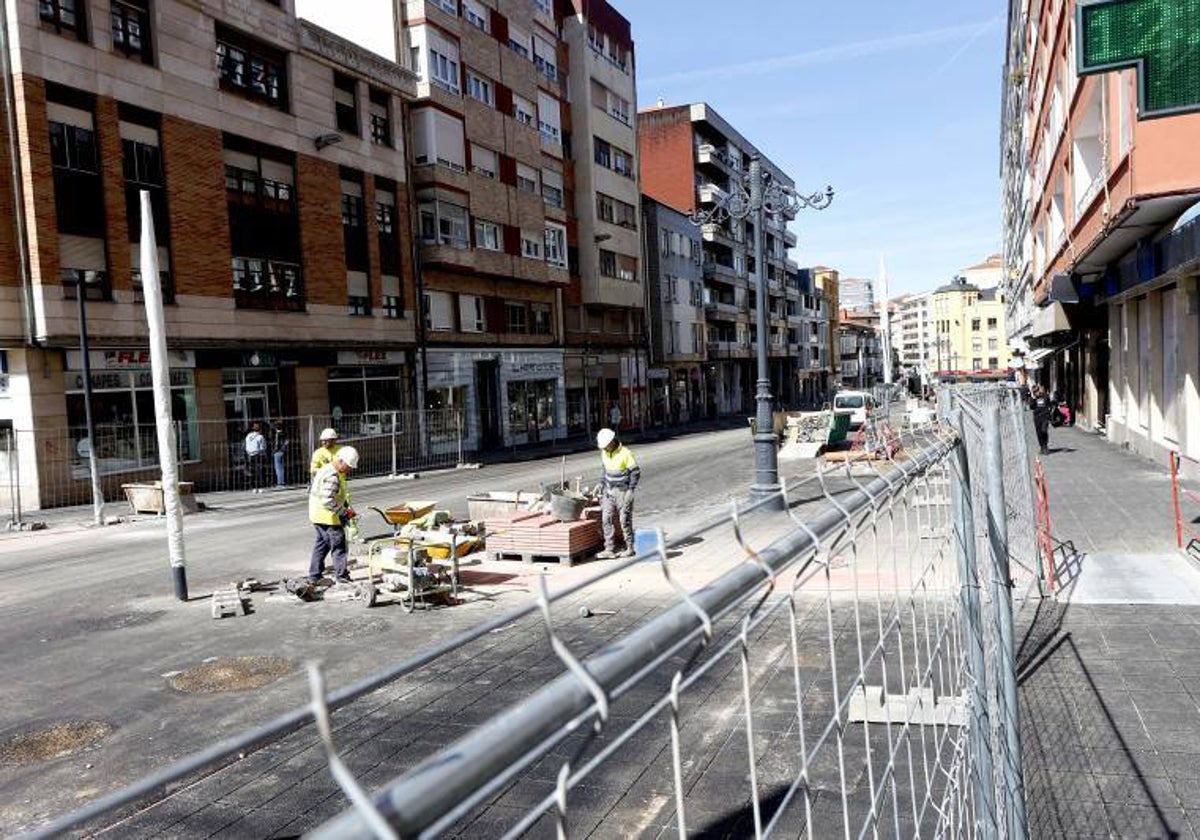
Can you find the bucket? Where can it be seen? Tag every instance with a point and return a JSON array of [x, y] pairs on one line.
[[566, 506], [645, 540]]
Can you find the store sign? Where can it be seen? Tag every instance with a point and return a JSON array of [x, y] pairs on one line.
[[533, 365], [661, 373], [1160, 38], [370, 357], [128, 359]]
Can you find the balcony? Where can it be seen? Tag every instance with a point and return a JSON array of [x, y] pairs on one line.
[[714, 270], [713, 232], [728, 311], [709, 155], [710, 193], [789, 238], [791, 264]]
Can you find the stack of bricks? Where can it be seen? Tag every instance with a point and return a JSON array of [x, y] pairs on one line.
[[530, 536]]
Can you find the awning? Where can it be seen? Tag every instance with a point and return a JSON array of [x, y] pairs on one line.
[[1049, 319], [1033, 359]]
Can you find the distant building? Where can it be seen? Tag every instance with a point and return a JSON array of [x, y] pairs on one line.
[[860, 350], [969, 328], [916, 338], [857, 294], [826, 281]]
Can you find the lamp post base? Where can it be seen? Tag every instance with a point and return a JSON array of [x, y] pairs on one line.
[[758, 492]]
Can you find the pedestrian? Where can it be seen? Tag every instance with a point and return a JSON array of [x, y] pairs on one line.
[[1042, 407], [329, 511], [614, 415], [256, 456], [621, 476], [279, 448], [323, 454]]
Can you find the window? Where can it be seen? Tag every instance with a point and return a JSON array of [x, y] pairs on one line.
[[358, 293], [531, 245], [438, 138], [556, 245], [480, 88], [993, 362], [438, 311], [476, 15], [164, 284], [543, 6], [669, 285], [393, 304], [385, 227], [552, 187], [696, 296], [518, 40], [65, 16], [131, 29], [78, 194], [142, 166], [531, 406], [617, 107], [251, 68], [991, 323], [603, 153], [450, 6], [613, 157], [354, 224], [549, 118], [608, 263], [616, 212], [541, 318], [95, 283], [443, 223], [697, 337], [471, 314], [514, 317], [993, 344], [522, 110], [443, 70], [544, 58], [73, 147], [263, 228], [975, 325], [345, 103], [616, 265], [267, 284], [977, 364], [527, 178], [380, 117], [483, 161], [487, 236]]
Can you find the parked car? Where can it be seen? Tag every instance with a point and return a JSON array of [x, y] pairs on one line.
[[858, 403]]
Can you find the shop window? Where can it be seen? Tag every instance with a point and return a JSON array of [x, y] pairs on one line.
[[66, 17], [381, 117], [532, 406], [124, 420], [345, 103], [131, 29], [365, 397], [251, 68], [444, 411]]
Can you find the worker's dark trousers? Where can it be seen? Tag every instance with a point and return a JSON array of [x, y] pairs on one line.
[[330, 539], [1043, 436], [618, 504]]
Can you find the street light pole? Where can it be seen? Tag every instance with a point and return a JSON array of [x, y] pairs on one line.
[[765, 197]]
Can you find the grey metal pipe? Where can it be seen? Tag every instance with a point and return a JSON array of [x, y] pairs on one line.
[[419, 798], [964, 534], [1014, 777]]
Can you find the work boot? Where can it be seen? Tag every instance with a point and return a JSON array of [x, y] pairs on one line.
[[629, 552]]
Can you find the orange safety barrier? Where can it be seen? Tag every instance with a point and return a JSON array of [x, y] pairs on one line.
[[1045, 542], [1178, 494]]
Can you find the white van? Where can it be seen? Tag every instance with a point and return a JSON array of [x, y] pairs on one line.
[[857, 403]]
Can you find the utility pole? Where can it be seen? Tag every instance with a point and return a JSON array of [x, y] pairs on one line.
[[84, 350]]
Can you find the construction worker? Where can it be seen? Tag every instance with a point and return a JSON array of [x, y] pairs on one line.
[[621, 476], [323, 454], [329, 510]]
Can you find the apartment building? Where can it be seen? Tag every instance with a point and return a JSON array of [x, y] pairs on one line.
[[916, 340], [604, 312], [860, 350], [691, 158], [677, 314], [969, 331], [1100, 238], [857, 294], [827, 281], [274, 154]]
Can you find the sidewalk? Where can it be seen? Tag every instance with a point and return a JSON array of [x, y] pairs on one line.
[[1108, 671]]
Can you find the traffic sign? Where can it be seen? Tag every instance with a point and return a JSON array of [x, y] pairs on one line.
[[1160, 38]]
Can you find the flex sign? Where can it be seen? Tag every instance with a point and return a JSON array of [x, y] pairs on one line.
[[1160, 38]]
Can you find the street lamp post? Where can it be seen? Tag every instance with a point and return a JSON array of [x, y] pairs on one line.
[[764, 197]]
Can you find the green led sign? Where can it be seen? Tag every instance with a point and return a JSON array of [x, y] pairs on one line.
[[1161, 38]]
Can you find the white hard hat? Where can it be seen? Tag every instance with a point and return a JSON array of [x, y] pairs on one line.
[[328, 434], [348, 455], [604, 437]]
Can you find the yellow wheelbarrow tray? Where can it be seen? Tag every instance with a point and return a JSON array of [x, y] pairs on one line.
[[417, 566], [397, 516]]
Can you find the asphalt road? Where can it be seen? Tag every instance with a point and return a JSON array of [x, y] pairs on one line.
[[88, 627]]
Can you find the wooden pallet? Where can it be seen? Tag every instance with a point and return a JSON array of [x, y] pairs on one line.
[[567, 560]]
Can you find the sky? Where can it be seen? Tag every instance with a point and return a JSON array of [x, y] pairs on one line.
[[894, 104]]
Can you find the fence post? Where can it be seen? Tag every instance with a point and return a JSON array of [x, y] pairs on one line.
[[458, 424], [964, 536], [1001, 602], [1017, 414], [312, 436], [394, 444], [1173, 457], [14, 505]]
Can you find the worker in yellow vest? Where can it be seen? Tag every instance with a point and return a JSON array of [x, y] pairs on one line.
[[621, 476], [329, 510], [323, 454]]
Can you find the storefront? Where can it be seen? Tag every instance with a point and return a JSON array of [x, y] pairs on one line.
[[368, 391], [503, 397], [123, 410]]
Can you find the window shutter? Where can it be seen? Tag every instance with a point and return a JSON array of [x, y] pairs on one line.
[[81, 252]]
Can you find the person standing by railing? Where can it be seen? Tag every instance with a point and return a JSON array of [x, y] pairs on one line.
[[256, 456], [280, 444]]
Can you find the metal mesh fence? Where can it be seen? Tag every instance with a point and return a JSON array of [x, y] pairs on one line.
[[838, 678]]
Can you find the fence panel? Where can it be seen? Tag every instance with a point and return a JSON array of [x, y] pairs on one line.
[[838, 681]]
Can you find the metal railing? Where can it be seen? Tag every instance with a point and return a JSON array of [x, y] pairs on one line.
[[840, 677]]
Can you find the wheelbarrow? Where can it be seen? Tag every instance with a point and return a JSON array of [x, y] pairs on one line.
[[397, 516]]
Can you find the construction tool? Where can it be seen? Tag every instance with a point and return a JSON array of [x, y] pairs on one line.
[[587, 612]]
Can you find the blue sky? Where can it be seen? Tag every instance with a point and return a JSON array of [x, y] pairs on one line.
[[895, 104]]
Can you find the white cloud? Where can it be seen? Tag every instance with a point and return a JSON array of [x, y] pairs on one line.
[[828, 55]]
